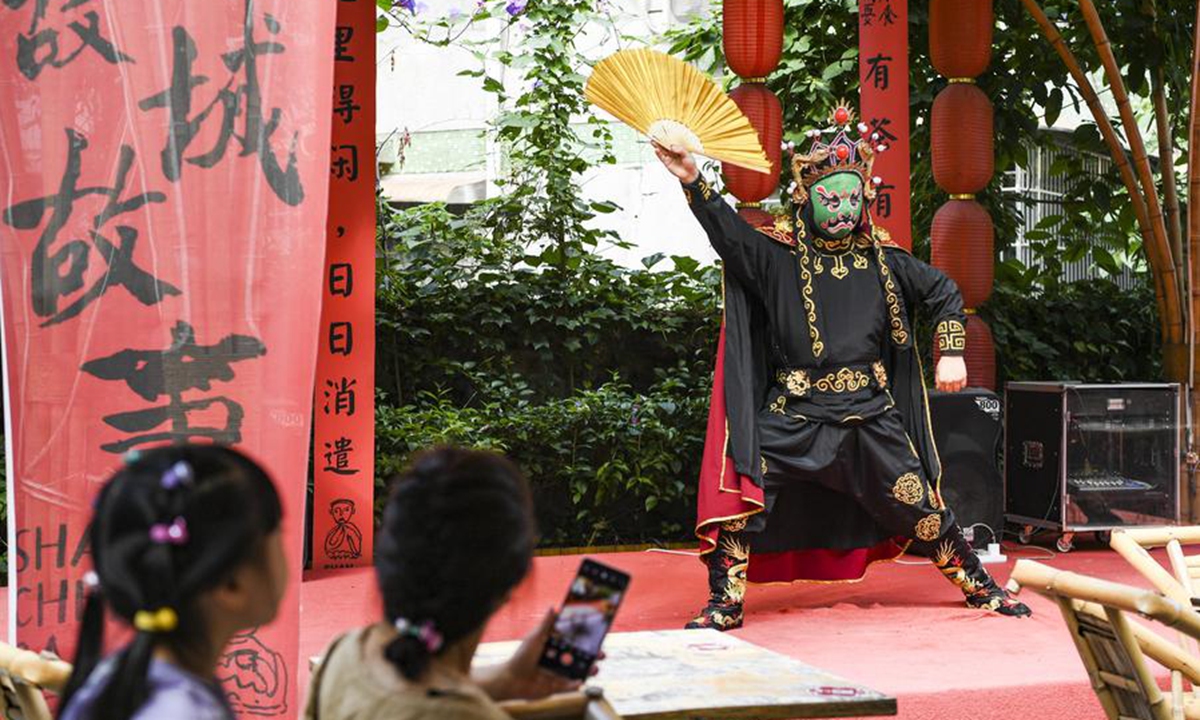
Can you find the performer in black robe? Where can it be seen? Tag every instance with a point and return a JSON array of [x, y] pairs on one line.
[[820, 458]]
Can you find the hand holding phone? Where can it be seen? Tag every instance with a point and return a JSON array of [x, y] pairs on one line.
[[586, 616]]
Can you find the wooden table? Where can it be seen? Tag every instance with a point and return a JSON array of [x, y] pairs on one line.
[[693, 674]]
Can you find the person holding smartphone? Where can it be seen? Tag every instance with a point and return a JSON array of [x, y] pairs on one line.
[[819, 457], [457, 536]]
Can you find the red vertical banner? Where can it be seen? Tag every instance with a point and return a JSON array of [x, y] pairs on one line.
[[344, 425], [163, 193], [883, 83]]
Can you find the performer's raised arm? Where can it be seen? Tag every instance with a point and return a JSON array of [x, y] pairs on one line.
[[940, 296], [740, 246]]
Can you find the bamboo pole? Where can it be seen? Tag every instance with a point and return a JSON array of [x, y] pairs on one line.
[[1173, 322], [1166, 160], [1110, 139], [1193, 398]]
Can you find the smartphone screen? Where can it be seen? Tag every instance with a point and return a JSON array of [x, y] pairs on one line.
[[587, 614]]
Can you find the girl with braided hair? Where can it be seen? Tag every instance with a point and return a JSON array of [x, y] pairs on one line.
[[457, 536], [186, 549]]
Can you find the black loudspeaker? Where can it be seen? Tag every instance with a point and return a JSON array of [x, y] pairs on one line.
[[967, 427]]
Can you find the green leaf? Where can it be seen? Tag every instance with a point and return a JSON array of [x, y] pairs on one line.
[[1054, 103], [651, 260], [383, 21]]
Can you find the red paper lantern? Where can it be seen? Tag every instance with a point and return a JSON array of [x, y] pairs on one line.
[[980, 356], [960, 36], [766, 115], [962, 239], [753, 36], [961, 135]]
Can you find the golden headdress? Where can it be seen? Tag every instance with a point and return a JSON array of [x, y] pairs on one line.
[[841, 154]]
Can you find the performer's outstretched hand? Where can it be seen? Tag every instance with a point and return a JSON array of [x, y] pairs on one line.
[[951, 373], [679, 161]]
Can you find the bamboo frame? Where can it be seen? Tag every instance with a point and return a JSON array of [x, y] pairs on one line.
[[1136, 555], [1046, 580], [1162, 536], [1114, 147], [1078, 595]]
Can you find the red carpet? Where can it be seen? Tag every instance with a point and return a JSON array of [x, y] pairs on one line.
[[902, 631]]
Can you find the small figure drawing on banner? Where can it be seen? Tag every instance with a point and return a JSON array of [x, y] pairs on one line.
[[344, 539], [254, 676], [182, 367], [58, 274], [245, 100], [40, 47]]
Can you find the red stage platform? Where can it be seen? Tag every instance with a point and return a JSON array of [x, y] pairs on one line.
[[903, 630]]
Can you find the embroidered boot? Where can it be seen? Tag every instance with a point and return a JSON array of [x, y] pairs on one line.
[[958, 562], [726, 583]]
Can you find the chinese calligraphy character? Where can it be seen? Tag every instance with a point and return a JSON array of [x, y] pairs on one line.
[[61, 273], [867, 12], [244, 101], [344, 104], [341, 279], [345, 165], [341, 393], [39, 48], [880, 71], [880, 126], [888, 16], [883, 200], [183, 367], [341, 338], [337, 457], [345, 33]]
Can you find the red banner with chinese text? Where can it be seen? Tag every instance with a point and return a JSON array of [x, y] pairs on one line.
[[163, 189], [883, 83], [344, 424]]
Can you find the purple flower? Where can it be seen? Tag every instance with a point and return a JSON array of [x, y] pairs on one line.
[[409, 5], [516, 7]]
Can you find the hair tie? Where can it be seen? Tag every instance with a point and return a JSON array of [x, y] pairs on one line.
[[426, 632], [175, 533], [162, 620], [177, 475]]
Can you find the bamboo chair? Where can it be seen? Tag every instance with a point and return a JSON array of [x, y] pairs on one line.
[[24, 675], [1113, 648], [1181, 584]]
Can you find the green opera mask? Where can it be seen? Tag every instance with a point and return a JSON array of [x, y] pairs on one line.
[[837, 201]]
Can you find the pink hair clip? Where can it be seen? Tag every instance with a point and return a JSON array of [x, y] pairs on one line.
[[426, 632], [173, 534]]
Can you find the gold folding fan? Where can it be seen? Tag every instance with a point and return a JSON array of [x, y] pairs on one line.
[[675, 104]]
